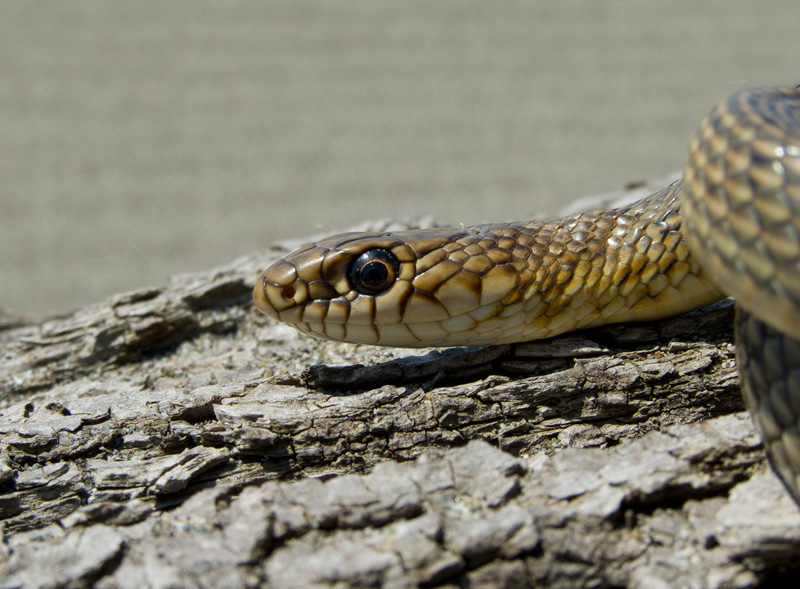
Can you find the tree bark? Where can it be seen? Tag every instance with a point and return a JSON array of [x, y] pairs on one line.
[[175, 437]]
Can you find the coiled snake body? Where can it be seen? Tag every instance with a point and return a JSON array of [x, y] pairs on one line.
[[731, 227]]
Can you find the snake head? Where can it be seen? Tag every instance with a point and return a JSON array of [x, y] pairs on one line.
[[414, 289]]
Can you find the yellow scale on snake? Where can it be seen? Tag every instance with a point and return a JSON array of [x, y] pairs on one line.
[[730, 227]]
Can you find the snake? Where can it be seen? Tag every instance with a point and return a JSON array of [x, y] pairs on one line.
[[729, 227]]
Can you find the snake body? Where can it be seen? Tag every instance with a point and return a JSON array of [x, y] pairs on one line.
[[731, 227]]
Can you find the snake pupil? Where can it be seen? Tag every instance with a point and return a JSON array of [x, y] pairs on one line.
[[373, 272]]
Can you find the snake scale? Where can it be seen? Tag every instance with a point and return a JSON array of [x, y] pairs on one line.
[[730, 227]]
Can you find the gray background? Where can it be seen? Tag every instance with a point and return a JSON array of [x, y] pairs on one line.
[[140, 139]]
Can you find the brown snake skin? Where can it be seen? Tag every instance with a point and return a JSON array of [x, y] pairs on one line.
[[503, 283]]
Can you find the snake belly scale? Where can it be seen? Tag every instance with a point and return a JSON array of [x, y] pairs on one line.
[[730, 227]]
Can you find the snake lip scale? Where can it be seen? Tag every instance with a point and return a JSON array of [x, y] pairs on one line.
[[730, 227]]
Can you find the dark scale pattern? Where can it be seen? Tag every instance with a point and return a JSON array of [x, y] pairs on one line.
[[742, 188], [769, 364], [741, 202]]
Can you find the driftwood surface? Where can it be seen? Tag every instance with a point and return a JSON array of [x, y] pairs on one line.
[[174, 437]]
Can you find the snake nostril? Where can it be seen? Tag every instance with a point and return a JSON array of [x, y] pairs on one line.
[[289, 292]]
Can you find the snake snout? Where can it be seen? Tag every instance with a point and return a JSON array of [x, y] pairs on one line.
[[261, 298], [279, 290]]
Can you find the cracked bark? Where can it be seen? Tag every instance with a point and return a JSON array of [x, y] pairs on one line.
[[175, 437]]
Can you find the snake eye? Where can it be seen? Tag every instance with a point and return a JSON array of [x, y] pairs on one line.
[[373, 272]]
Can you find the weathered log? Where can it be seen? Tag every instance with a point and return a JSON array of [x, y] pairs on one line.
[[174, 436]]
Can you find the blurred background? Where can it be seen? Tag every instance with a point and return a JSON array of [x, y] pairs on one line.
[[142, 139]]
